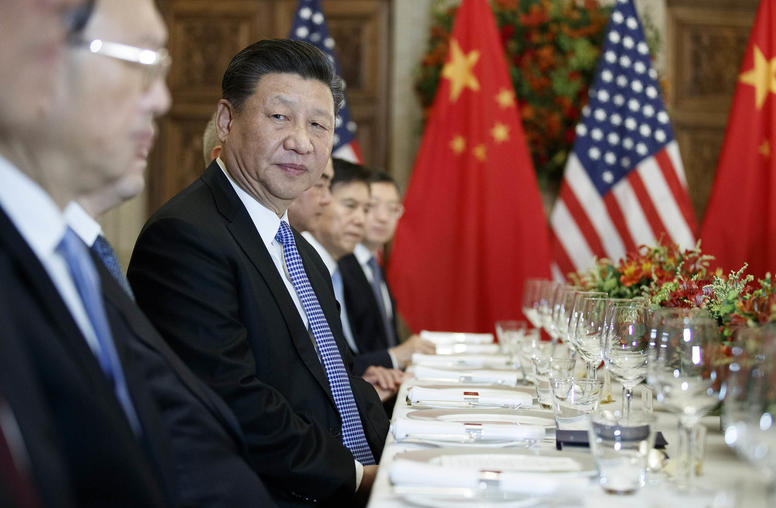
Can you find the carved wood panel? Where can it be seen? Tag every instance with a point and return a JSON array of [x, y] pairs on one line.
[[706, 44], [205, 34]]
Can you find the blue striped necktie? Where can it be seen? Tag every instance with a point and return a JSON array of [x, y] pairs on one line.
[[377, 289], [105, 252], [87, 283], [352, 429]]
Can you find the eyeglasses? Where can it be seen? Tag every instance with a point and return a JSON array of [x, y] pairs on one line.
[[154, 63]]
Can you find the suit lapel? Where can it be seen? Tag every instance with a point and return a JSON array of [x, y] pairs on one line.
[[244, 232], [44, 292], [143, 330]]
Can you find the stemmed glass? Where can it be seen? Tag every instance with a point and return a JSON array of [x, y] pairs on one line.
[[681, 370], [547, 293], [590, 326], [750, 401], [531, 298], [625, 346], [564, 299]]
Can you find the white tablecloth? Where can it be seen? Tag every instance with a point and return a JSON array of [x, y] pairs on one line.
[[727, 481]]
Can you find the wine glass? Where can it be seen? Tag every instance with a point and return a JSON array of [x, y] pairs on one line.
[[546, 298], [576, 309], [531, 295], [590, 326], [749, 408], [564, 299], [681, 370], [625, 346]]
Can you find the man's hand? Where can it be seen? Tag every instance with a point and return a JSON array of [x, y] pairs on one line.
[[403, 352], [385, 381], [362, 494]]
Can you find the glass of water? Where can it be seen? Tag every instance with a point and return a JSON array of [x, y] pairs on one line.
[[620, 446]]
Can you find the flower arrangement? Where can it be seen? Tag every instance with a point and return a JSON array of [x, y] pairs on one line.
[[552, 47], [670, 277]]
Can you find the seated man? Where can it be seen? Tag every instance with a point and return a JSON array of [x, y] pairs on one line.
[[246, 301], [366, 295], [337, 231]]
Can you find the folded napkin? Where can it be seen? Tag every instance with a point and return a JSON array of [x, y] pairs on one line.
[[502, 377], [418, 394], [454, 349], [466, 360], [421, 474], [404, 427], [453, 337]]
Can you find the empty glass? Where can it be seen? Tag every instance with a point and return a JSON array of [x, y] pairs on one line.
[[574, 400], [531, 298], [620, 446], [550, 361], [681, 371], [590, 326], [625, 346]]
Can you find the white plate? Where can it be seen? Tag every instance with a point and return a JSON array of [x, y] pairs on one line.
[[506, 416], [469, 499], [584, 460]]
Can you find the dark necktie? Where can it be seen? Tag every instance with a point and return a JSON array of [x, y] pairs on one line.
[[106, 253], [87, 283], [15, 485], [377, 289], [352, 429]]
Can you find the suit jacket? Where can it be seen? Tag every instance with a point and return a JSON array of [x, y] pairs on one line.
[[40, 461], [211, 460], [364, 316], [108, 466], [202, 274]]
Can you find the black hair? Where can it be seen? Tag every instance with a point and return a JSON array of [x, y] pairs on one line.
[[278, 56], [348, 172], [380, 176]]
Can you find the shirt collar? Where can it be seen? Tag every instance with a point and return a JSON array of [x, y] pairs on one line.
[[33, 212], [82, 223], [362, 253], [329, 261], [266, 221]]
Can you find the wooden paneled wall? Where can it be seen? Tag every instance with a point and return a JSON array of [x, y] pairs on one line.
[[705, 47], [205, 34]]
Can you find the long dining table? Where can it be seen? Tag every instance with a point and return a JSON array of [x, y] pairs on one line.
[[725, 480]]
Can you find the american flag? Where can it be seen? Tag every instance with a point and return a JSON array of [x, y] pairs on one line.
[[624, 182], [310, 26]]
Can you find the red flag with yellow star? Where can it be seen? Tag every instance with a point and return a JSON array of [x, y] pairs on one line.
[[474, 228], [740, 222]]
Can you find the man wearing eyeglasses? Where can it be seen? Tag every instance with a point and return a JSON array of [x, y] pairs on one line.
[[370, 306], [106, 424]]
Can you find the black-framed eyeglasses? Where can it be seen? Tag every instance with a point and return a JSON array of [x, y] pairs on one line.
[[155, 63]]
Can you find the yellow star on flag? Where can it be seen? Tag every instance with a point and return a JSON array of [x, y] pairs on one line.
[[765, 149], [458, 144], [505, 98], [762, 77], [479, 152], [459, 70], [500, 132]]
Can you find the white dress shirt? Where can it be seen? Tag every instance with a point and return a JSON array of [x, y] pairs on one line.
[[82, 223], [42, 225], [267, 224]]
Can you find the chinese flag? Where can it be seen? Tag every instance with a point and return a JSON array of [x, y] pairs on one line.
[[740, 222], [474, 228]]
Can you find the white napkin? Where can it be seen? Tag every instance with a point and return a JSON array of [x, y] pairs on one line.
[[453, 337], [403, 427], [418, 394], [507, 378], [454, 349], [466, 360], [421, 474]]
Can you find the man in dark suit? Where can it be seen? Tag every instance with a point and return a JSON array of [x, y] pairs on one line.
[[94, 417], [367, 296], [209, 454], [245, 301]]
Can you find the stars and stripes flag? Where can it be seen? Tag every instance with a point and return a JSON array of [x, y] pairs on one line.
[[624, 183], [310, 26]]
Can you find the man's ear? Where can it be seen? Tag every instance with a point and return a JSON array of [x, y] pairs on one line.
[[224, 115]]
